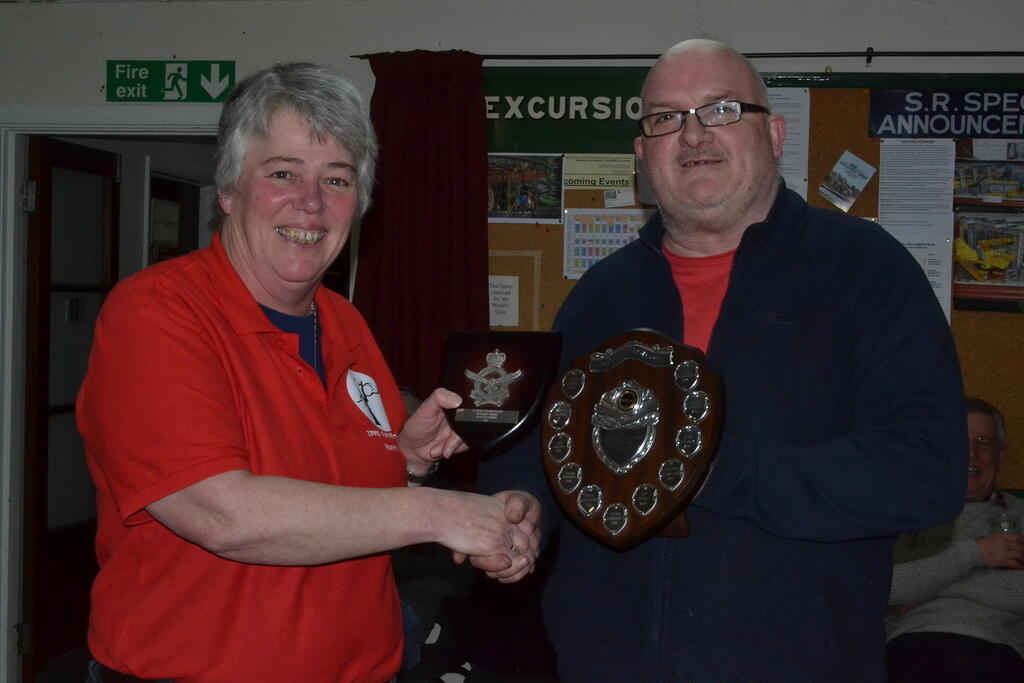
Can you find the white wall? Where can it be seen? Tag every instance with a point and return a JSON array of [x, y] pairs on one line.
[[53, 70], [36, 71]]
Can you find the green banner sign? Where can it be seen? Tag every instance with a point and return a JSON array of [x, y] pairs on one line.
[[593, 110], [169, 81], [584, 110]]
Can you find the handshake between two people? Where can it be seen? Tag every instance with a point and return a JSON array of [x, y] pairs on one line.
[[499, 534]]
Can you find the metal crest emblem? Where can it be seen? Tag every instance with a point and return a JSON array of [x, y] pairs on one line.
[[490, 385], [501, 402]]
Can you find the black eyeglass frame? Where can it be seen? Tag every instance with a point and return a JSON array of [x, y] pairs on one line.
[[745, 107]]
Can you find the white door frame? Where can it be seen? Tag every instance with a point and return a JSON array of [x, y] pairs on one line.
[[16, 123]]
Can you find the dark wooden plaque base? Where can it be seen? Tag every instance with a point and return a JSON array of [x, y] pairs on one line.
[[502, 378], [635, 421]]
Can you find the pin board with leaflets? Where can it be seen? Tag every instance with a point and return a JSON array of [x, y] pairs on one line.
[[937, 159]]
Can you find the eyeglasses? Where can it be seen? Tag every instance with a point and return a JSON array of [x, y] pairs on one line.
[[715, 114]]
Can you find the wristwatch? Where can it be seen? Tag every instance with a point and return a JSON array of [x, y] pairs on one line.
[[420, 478]]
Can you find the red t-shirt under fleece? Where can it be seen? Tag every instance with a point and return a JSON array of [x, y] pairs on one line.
[[702, 282]]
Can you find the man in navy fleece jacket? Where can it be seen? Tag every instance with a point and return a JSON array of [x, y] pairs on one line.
[[843, 422]]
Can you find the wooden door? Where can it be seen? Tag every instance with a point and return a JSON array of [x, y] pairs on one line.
[[72, 264]]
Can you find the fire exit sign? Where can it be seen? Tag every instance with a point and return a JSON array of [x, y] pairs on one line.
[[169, 81]]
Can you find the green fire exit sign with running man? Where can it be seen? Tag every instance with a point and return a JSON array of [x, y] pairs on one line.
[[169, 81]]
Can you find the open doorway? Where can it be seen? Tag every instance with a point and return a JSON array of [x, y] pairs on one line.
[[91, 194], [151, 154]]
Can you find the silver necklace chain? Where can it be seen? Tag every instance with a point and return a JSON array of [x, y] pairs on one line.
[[316, 327]]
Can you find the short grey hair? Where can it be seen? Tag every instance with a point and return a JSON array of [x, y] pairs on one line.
[[330, 105], [978, 405]]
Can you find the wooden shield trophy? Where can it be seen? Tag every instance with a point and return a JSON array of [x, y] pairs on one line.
[[629, 434], [503, 378]]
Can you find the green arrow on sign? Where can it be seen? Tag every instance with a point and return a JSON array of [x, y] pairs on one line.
[[169, 81]]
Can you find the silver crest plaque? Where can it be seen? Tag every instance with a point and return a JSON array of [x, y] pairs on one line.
[[503, 378]]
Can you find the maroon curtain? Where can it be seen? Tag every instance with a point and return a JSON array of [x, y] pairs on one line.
[[423, 245]]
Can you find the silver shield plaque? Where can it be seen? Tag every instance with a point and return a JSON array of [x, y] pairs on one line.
[[630, 433]]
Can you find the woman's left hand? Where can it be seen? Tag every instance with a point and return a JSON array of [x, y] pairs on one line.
[[427, 437]]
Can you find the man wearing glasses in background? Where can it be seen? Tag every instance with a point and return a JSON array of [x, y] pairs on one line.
[[843, 420], [957, 589]]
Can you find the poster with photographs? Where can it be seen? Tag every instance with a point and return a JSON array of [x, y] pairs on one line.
[[989, 248], [524, 188], [988, 195]]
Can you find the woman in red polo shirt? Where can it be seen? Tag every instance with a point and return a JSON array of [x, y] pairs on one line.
[[248, 444]]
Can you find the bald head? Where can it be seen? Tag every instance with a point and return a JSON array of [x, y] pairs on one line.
[[712, 50]]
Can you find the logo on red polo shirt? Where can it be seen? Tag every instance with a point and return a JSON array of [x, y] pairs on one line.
[[363, 390]]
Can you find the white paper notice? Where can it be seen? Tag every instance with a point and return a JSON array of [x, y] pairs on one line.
[[794, 104], [598, 171], [933, 255], [616, 198], [504, 300], [915, 204], [998, 150]]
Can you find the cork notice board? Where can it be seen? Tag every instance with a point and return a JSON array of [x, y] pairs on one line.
[[838, 123], [988, 343]]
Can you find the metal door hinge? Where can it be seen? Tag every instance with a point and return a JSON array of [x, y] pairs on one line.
[[28, 196]]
